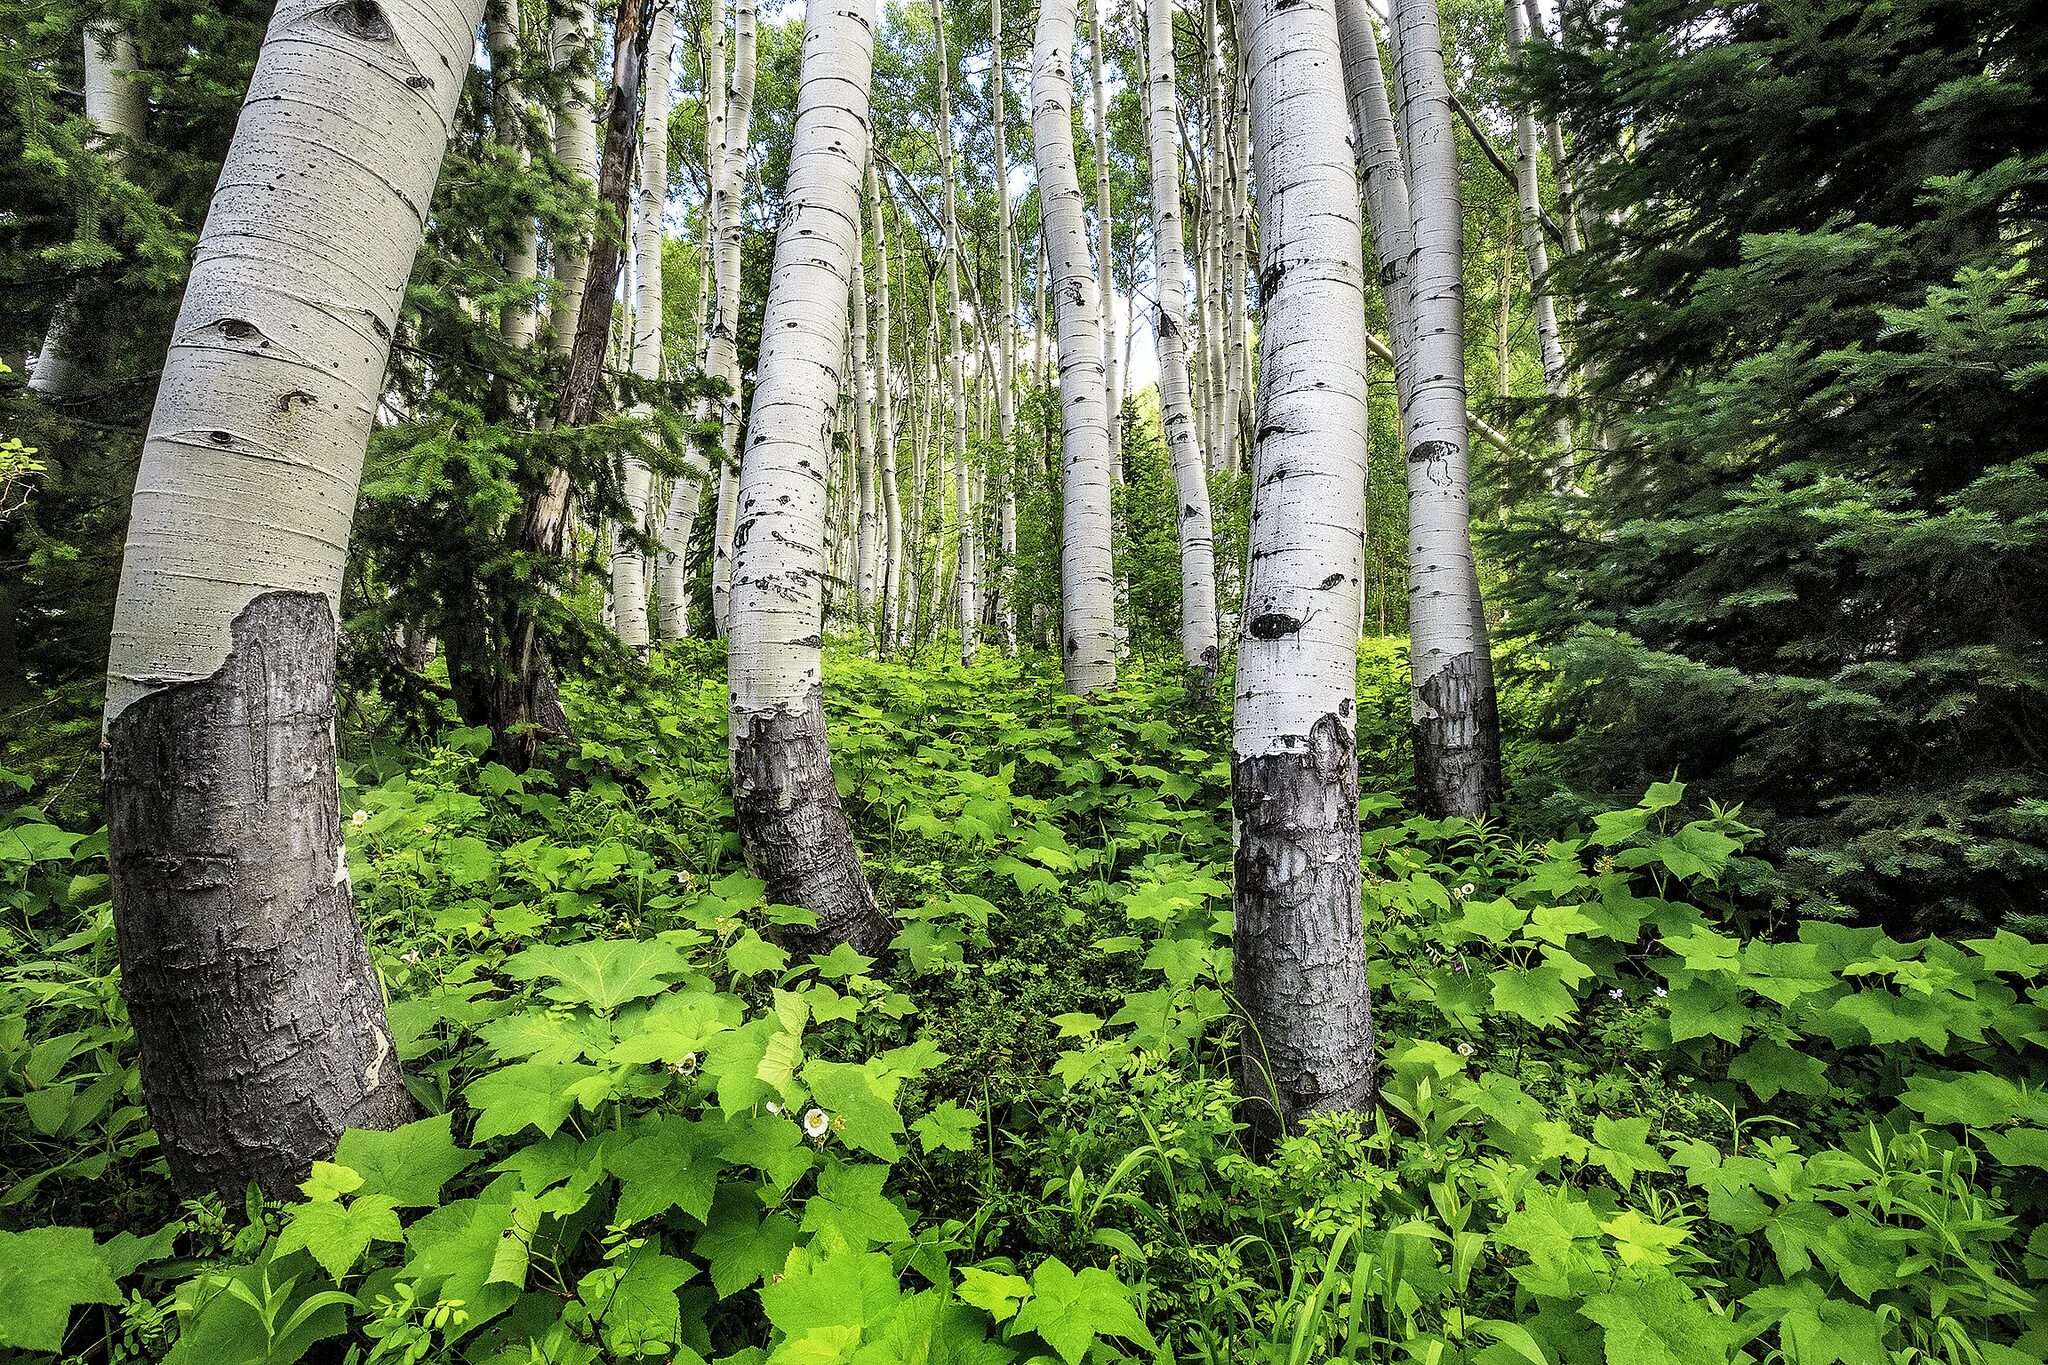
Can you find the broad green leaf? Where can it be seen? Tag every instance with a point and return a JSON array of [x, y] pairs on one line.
[[1656, 1320], [468, 860], [850, 1203], [742, 1243], [633, 1300], [673, 1165], [44, 1274], [603, 974], [993, 1292], [1621, 1147], [1772, 1069], [1070, 1311], [1559, 1233], [851, 1289], [855, 1094], [539, 1094], [338, 1235], [948, 1128], [1640, 1241], [929, 1329]]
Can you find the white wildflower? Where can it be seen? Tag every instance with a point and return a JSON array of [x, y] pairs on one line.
[[1465, 1049], [816, 1121], [687, 1066], [1614, 993], [774, 1108], [1661, 992], [1467, 890], [360, 818], [411, 957]]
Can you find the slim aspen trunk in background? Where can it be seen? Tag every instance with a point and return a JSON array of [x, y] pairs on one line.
[[1299, 945], [629, 561], [1038, 304], [1087, 569], [1529, 189], [1105, 236], [115, 107], [1385, 180], [1504, 315], [1198, 643], [1006, 382], [518, 321], [790, 819], [956, 355], [679, 521], [1553, 138], [1457, 728], [1236, 276], [866, 549], [574, 45], [257, 1010], [725, 353], [885, 412]]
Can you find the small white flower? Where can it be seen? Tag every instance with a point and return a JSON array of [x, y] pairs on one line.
[[413, 956], [816, 1121], [426, 829], [1466, 890], [1661, 992], [360, 818], [774, 1108], [687, 1066], [1614, 993], [1465, 1049]]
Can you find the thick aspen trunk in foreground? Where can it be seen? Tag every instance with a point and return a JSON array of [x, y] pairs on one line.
[[259, 1016], [115, 107], [1457, 729], [1198, 641], [1087, 572], [1299, 943], [790, 819]]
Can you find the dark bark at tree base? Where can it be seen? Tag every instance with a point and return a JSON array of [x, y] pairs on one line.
[[795, 832], [1457, 743], [260, 1019], [1299, 944]]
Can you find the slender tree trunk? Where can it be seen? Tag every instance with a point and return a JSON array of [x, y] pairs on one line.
[[517, 319], [1457, 732], [116, 109], [257, 1010], [956, 353], [629, 561], [1529, 189], [574, 41], [1105, 224], [1198, 641], [725, 328], [1006, 385], [790, 819], [892, 503], [1299, 945], [1087, 571]]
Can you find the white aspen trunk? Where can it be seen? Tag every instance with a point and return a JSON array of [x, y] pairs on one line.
[[574, 45], [1457, 734], [1006, 382], [1529, 189], [518, 320], [116, 109], [892, 504], [1299, 943], [1105, 236], [258, 1013], [1553, 138], [968, 578], [865, 550], [1385, 180], [725, 328], [791, 823], [1087, 569], [679, 520], [1038, 304], [1198, 642], [1236, 335], [629, 561]]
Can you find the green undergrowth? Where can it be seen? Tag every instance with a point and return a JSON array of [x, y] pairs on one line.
[[1624, 1121]]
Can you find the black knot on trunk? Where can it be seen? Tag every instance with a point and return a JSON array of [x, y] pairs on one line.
[[1273, 625]]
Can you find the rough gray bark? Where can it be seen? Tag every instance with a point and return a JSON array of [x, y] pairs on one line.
[[260, 1019]]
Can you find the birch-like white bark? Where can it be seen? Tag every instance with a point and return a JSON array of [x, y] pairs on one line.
[[573, 36], [1198, 640], [725, 355], [866, 549], [1087, 570], [1385, 180], [1529, 189], [968, 578], [1299, 944], [1006, 387], [116, 109], [518, 321], [1105, 236], [1457, 737], [892, 504], [259, 1017], [790, 819]]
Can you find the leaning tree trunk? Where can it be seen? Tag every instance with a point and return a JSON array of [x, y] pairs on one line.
[[650, 197], [1299, 945], [791, 823], [1457, 730], [1087, 572], [1197, 540], [115, 107], [257, 1010]]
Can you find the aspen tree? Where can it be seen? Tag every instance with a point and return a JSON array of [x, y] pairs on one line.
[[1087, 572], [1457, 731], [1198, 641], [1299, 943], [629, 561], [865, 548], [725, 331], [517, 319], [573, 36], [892, 504], [258, 1013], [115, 107], [968, 578], [790, 819], [1006, 383], [679, 521], [1529, 189], [1105, 236]]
